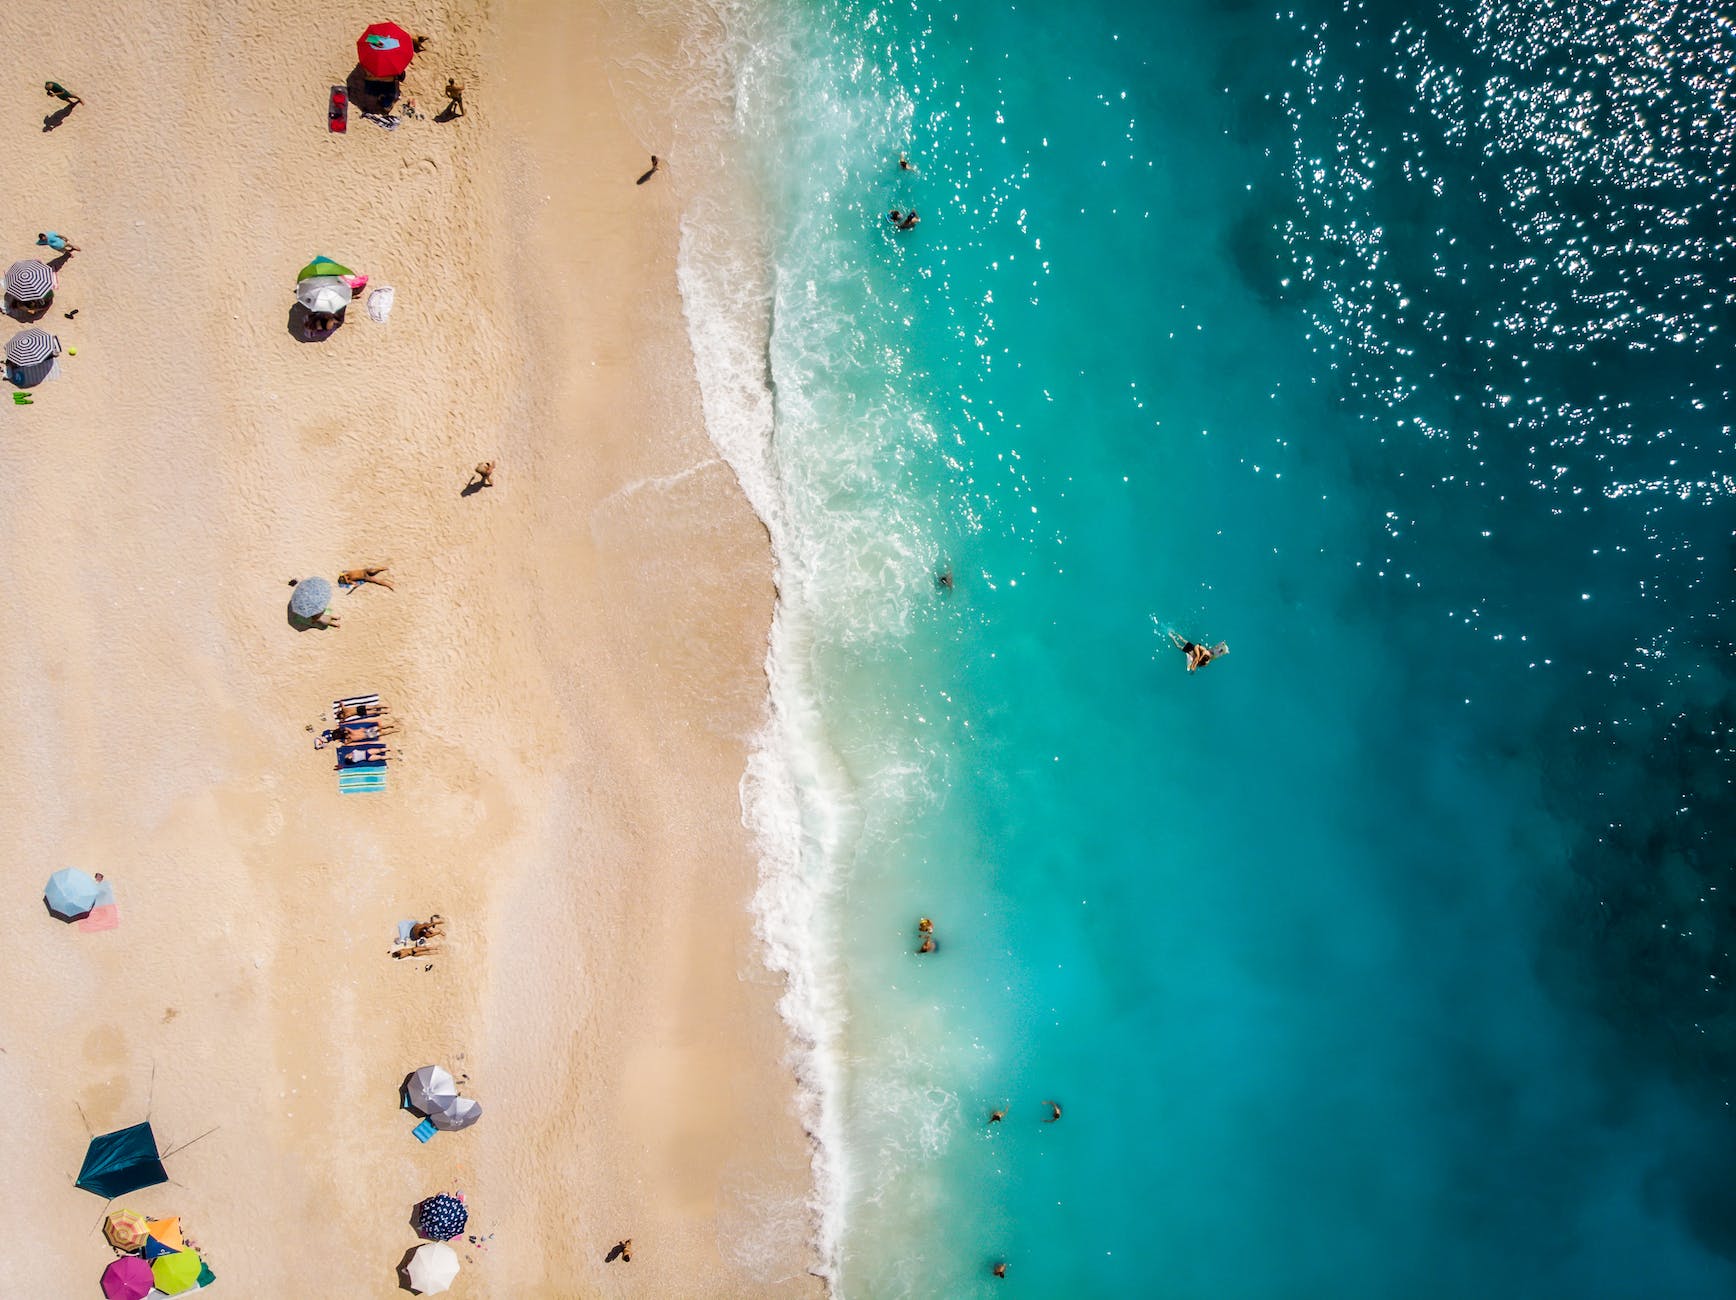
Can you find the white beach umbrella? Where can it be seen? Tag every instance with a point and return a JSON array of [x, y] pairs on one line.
[[431, 1090], [460, 1112], [327, 294], [432, 1268]]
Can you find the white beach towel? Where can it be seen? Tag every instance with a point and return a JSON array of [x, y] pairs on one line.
[[380, 304]]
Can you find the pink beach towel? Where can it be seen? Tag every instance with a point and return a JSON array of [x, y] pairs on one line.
[[106, 917]]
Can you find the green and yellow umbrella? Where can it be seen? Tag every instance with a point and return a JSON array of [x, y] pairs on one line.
[[321, 266], [176, 1273]]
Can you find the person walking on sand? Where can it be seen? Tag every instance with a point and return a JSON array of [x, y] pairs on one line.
[[1054, 1111], [58, 242], [1198, 656], [370, 573], [454, 98], [57, 91], [656, 166], [482, 476]]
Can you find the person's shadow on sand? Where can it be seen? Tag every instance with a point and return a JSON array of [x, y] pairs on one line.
[[615, 1252], [56, 118]]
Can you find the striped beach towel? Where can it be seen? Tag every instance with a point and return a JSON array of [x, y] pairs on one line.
[[366, 779]]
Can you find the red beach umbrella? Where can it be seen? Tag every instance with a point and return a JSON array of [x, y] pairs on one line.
[[384, 50]]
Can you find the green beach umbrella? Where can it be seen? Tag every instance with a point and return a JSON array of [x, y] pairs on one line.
[[176, 1273], [321, 266]]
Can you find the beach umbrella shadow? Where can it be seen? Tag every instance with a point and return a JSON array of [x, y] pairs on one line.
[[404, 1270], [302, 332], [369, 94]]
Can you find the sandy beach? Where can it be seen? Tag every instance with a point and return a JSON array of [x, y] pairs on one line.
[[574, 656]]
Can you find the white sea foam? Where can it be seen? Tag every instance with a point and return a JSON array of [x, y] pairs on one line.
[[795, 799]]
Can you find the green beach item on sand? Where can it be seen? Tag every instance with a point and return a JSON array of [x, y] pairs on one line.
[[321, 266]]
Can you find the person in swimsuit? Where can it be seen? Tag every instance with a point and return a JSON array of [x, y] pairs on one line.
[[996, 1116], [1000, 1269], [910, 220], [349, 711], [58, 242], [1054, 1111], [370, 573], [57, 91], [1198, 656]]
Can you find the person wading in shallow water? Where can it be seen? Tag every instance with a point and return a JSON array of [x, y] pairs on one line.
[[1198, 656]]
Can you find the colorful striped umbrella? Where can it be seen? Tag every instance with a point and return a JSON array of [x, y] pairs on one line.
[[432, 1268], [441, 1217], [126, 1229], [385, 50], [321, 266], [29, 280], [176, 1273], [31, 347], [128, 1278]]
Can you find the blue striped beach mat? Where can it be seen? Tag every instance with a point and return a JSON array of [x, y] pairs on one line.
[[367, 778]]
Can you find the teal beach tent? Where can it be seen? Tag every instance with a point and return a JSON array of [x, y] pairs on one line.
[[121, 1162]]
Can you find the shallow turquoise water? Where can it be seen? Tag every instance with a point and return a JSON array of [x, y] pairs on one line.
[[1386, 956]]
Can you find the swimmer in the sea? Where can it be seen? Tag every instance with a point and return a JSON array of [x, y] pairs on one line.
[[1198, 656]]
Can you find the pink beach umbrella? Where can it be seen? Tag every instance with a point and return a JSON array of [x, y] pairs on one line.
[[128, 1278]]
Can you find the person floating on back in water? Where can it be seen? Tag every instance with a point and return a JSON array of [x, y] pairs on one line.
[[1198, 656], [1054, 1111]]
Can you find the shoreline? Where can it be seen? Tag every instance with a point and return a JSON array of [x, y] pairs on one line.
[[576, 655]]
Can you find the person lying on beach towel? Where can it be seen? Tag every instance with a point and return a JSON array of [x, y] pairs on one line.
[[353, 754], [368, 573], [362, 711]]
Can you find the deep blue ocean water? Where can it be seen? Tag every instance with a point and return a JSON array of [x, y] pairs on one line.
[[1389, 955]]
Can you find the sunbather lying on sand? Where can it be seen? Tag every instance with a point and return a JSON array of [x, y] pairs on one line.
[[351, 733], [414, 950], [362, 711], [429, 929], [353, 754], [356, 577]]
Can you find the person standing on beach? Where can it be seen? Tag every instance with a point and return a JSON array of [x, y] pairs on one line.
[[482, 476], [57, 91], [454, 98], [58, 242], [1198, 656]]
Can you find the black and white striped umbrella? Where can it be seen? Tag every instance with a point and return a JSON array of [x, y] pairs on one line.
[[441, 1217], [31, 347], [29, 280]]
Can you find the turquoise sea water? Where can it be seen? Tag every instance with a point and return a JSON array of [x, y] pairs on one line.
[[1387, 956]]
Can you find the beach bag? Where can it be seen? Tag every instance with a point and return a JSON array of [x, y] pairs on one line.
[[380, 304]]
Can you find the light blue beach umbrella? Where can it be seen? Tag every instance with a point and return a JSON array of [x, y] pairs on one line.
[[71, 893], [310, 598]]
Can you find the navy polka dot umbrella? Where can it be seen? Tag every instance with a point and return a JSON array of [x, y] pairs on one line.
[[442, 1217]]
